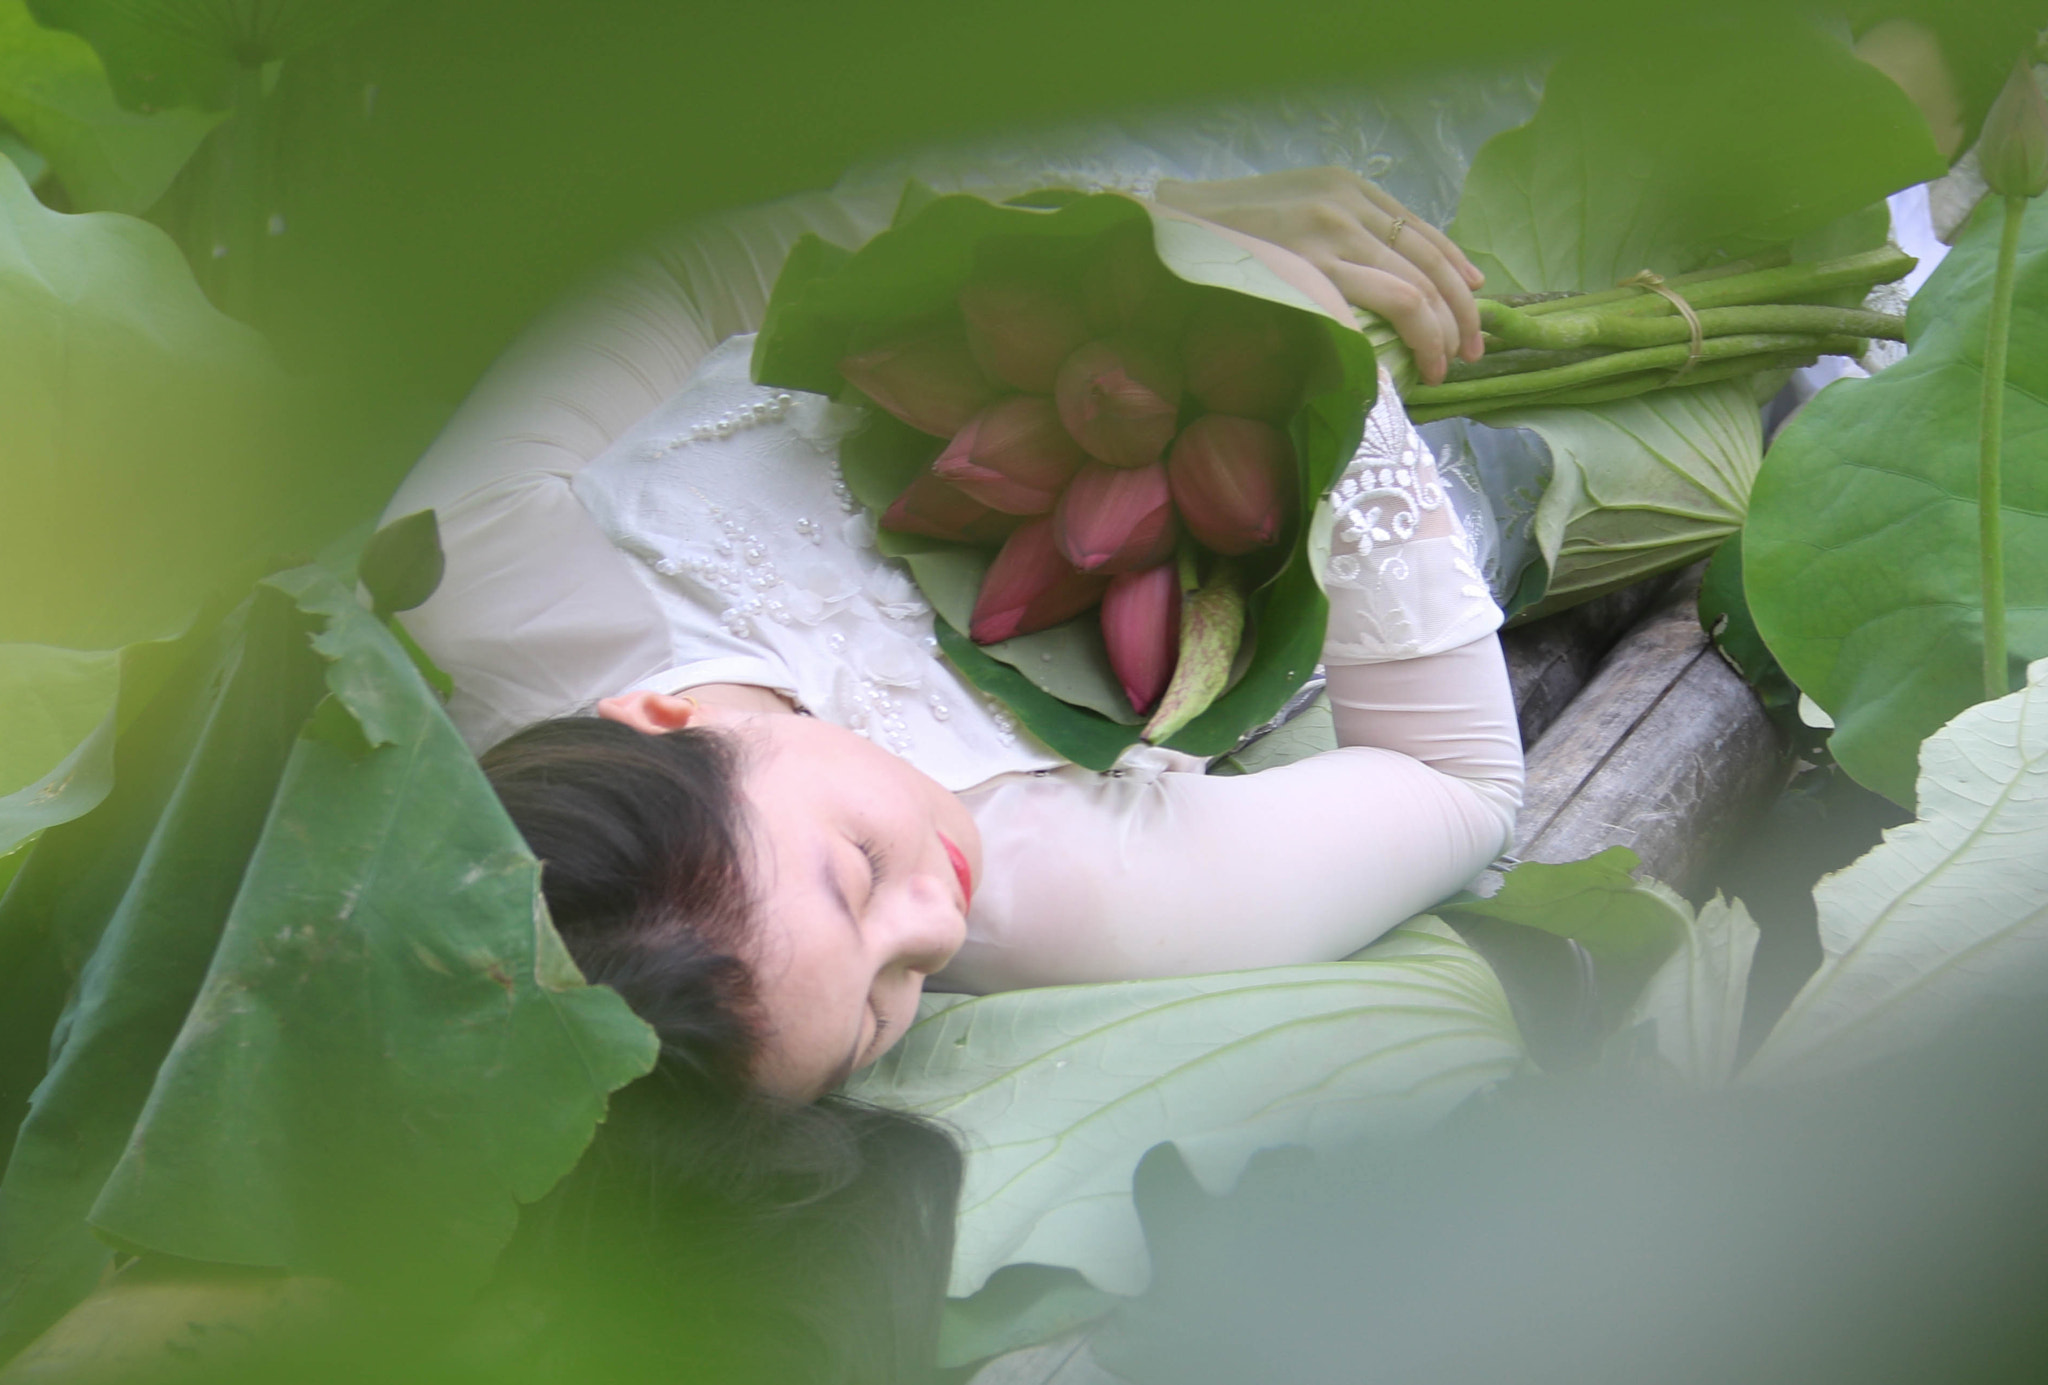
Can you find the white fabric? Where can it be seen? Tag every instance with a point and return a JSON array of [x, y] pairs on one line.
[[561, 490], [1402, 574], [765, 570]]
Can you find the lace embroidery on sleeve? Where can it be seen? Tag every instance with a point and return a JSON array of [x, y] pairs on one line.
[[1403, 577]]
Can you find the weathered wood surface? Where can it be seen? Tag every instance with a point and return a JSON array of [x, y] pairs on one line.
[[1666, 751], [1551, 660]]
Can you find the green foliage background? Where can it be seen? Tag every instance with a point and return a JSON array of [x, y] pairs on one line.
[[275, 987]]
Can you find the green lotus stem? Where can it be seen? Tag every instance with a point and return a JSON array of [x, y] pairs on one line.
[[1624, 363], [1623, 387], [1541, 303], [1990, 512], [1782, 285], [1568, 331], [1516, 361]]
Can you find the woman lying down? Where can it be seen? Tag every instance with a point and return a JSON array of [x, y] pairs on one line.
[[789, 814]]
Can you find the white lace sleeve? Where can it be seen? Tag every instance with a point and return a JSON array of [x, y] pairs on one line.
[[1402, 575]]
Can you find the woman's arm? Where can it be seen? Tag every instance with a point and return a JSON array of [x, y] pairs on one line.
[[1105, 879], [1101, 879]]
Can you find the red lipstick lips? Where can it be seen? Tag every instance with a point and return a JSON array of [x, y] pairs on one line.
[[959, 860]]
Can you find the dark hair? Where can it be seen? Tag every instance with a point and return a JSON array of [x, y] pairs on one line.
[[713, 1230]]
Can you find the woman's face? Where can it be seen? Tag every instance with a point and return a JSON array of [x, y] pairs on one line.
[[862, 867]]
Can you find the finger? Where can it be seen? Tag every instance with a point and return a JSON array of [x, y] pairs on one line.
[[1421, 245], [1371, 253], [1402, 304], [1442, 243], [1449, 284]]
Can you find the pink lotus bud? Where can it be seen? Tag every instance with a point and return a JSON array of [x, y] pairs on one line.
[[1030, 587], [1013, 456], [1246, 357], [1120, 399], [922, 373], [1141, 626], [938, 510], [1231, 480], [1125, 288], [1020, 327], [2013, 150], [1116, 519]]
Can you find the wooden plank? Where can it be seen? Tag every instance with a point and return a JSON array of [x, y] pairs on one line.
[[1666, 751]]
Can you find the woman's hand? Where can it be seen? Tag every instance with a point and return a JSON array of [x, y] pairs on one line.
[[1381, 256]]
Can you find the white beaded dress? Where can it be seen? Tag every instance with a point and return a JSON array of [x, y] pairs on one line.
[[622, 508]]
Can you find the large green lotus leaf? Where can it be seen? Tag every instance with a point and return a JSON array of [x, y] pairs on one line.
[[1947, 912], [1620, 170], [115, 919], [138, 468], [1640, 485], [1861, 558], [391, 1049], [54, 91], [1058, 682], [1057, 1093], [317, 1017], [1698, 146]]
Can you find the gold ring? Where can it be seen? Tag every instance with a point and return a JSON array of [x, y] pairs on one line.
[[1400, 224]]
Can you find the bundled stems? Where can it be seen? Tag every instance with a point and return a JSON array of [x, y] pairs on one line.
[[1747, 316], [1513, 390], [1990, 514], [1573, 331]]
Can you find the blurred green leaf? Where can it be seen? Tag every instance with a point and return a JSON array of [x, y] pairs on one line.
[[1861, 560], [54, 91], [140, 465], [32, 165], [1059, 1092], [1947, 913], [916, 268], [50, 700], [185, 52], [402, 563], [1021, 1306]]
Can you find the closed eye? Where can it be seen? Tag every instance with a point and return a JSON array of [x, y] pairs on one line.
[[878, 865]]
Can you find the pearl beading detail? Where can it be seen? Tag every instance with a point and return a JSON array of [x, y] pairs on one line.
[[726, 425]]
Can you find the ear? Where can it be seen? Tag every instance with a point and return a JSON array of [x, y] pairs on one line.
[[653, 712]]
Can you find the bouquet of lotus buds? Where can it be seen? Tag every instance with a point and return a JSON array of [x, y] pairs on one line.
[[1096, 424], [1096, 429]]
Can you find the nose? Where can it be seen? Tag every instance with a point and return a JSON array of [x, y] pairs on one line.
[[929, 928]]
